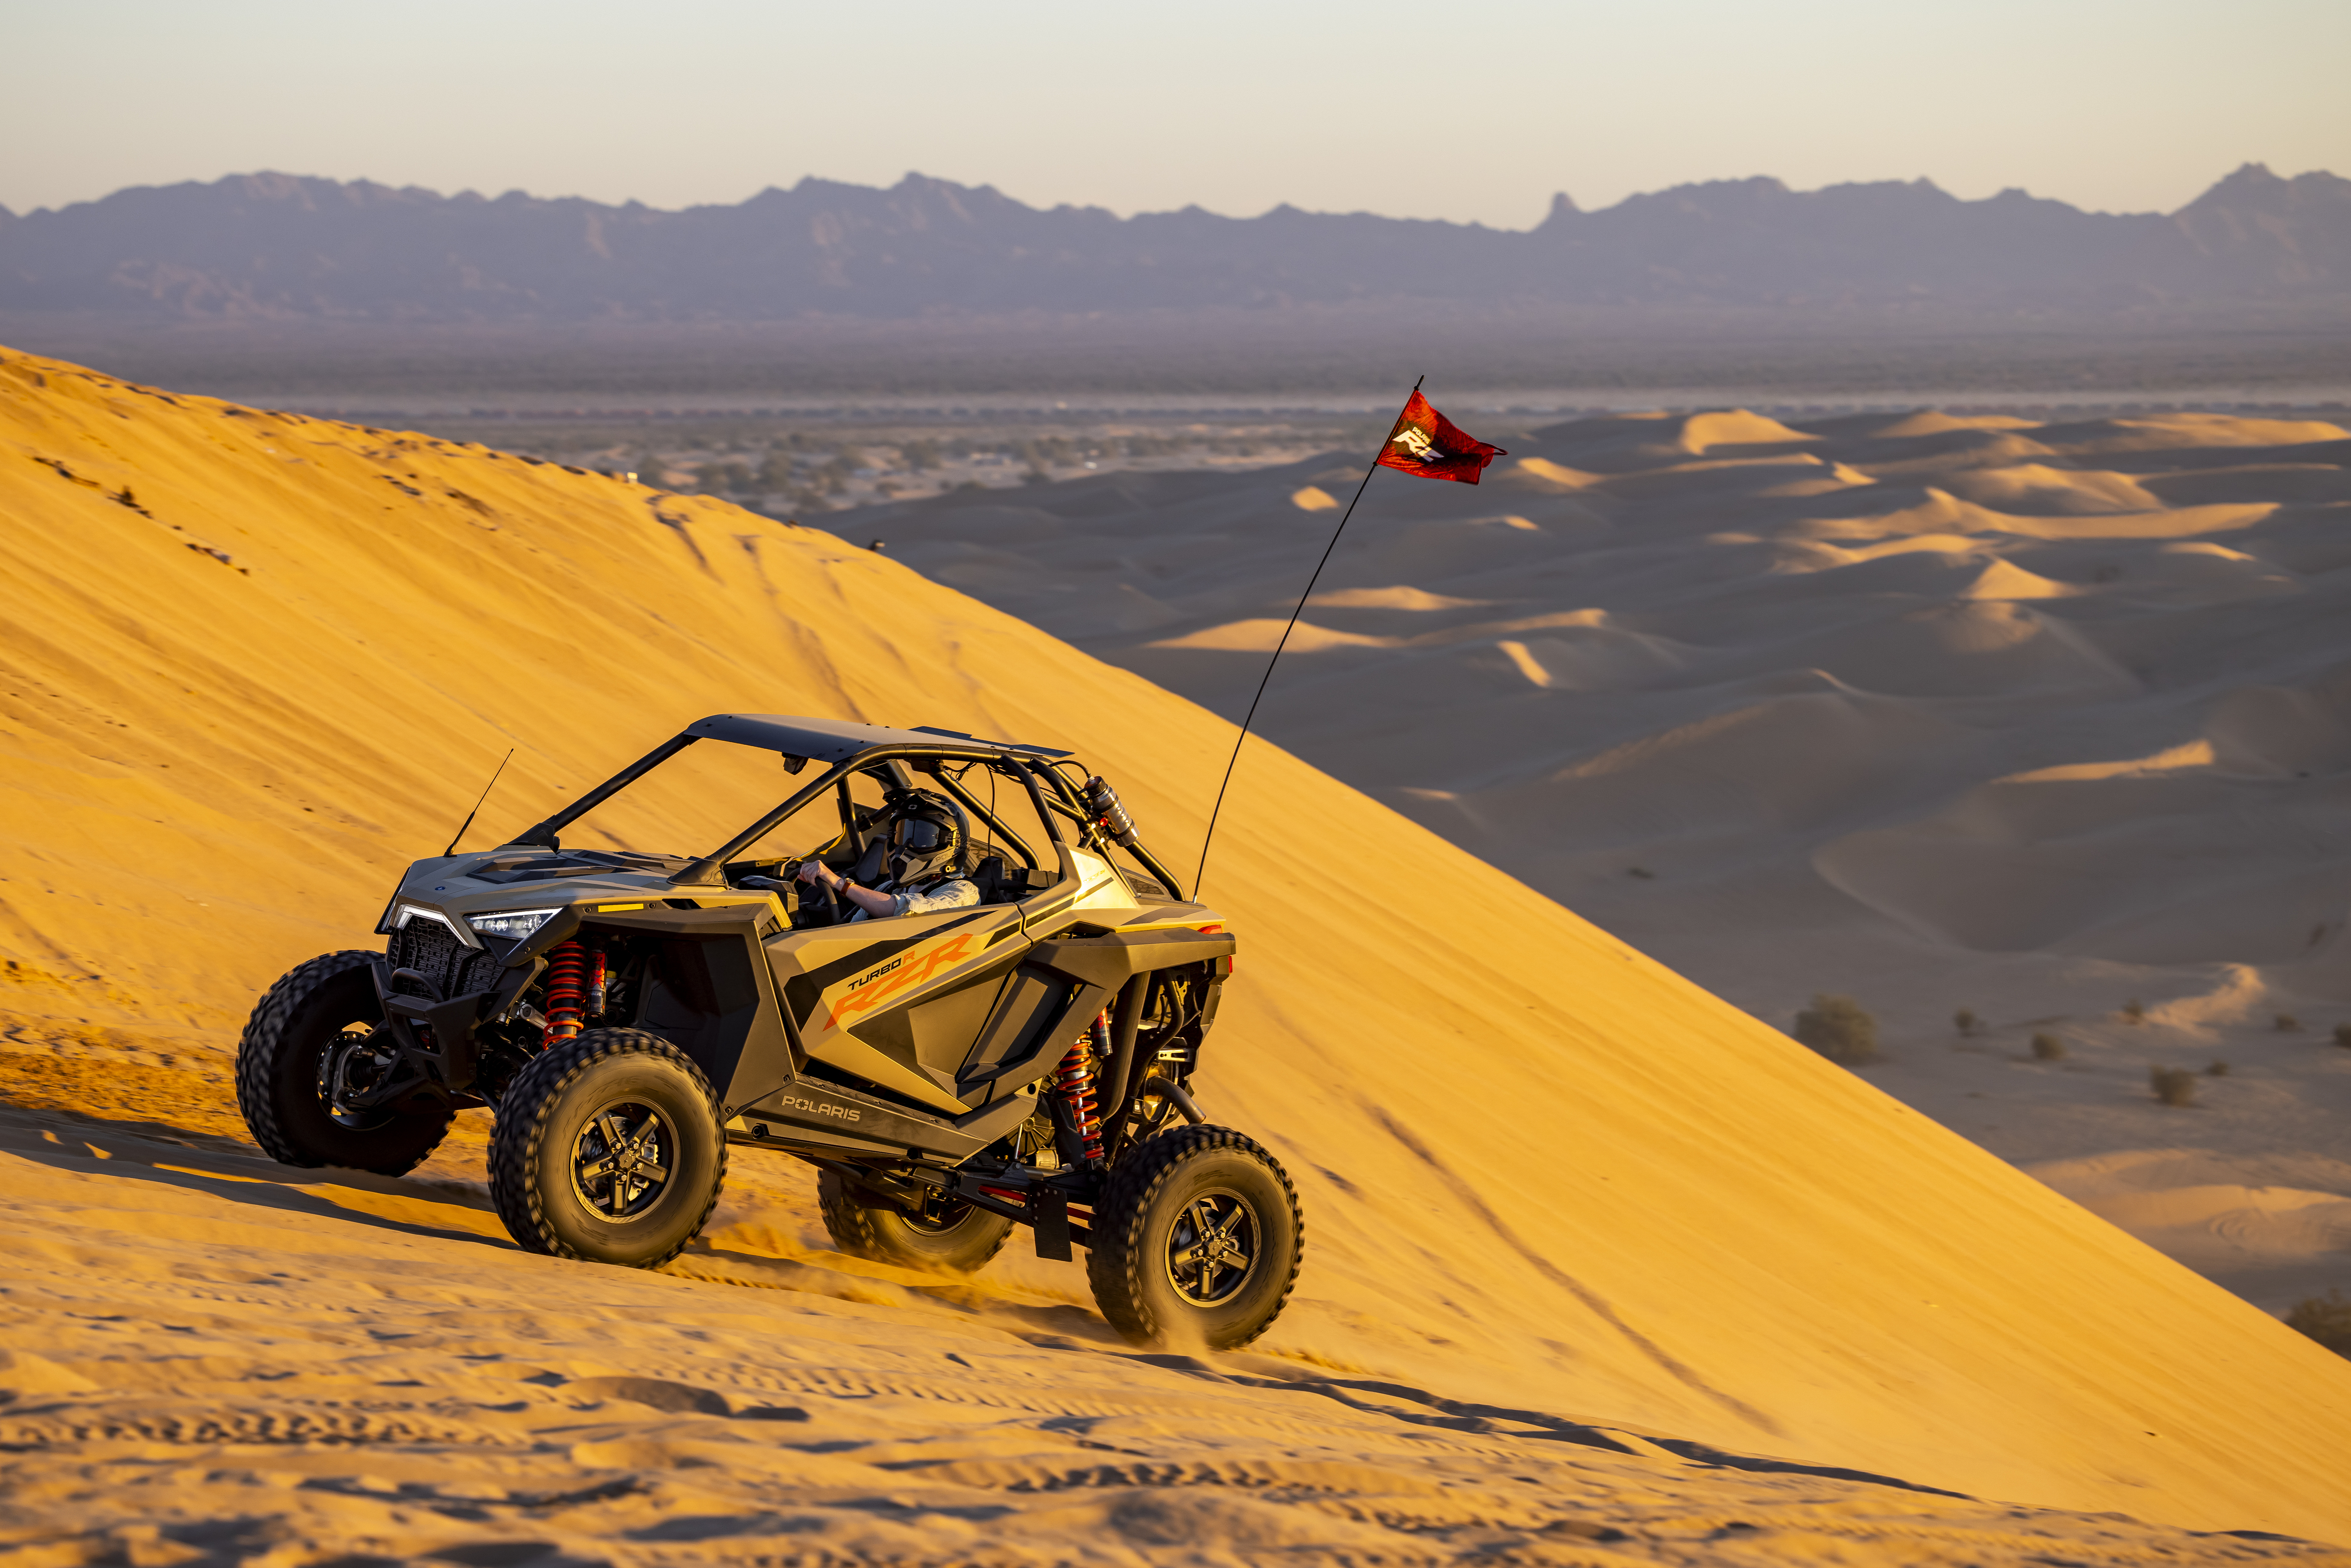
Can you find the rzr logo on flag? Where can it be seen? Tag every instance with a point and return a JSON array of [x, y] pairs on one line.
[[1417, 443], [1426, 442]]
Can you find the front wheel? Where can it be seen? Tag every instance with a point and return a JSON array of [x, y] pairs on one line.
[[607, 1149], [1197, 1240], [946, 1236], [316, 1031]]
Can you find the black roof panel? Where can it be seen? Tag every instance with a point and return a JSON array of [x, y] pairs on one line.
[[838, 739]]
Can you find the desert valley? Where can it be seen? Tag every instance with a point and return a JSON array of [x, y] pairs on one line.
[[2027, 718]]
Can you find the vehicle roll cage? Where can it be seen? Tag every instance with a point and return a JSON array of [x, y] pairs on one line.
[[1037, 769]]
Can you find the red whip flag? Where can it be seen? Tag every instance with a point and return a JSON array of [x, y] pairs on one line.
[[1428, 443]]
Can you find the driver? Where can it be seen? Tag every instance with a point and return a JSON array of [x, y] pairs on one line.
[[921, 877]]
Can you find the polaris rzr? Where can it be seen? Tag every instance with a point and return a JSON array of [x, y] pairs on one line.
[[1024, 1059]]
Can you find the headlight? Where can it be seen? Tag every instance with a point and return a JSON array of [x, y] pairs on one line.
[[512, 924]]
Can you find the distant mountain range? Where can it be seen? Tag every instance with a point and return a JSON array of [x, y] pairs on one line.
[[280, 247]]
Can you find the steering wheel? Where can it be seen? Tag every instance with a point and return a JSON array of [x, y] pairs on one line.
[[837, 910]]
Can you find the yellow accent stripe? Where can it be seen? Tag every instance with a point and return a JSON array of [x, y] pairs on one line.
[[616, 909]]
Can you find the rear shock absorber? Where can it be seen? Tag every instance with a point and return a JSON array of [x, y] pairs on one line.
[[1074, 1081], [599, 993], [1116, 823], [566, 963]]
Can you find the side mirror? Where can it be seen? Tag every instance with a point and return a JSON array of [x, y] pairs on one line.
[[793, 764]]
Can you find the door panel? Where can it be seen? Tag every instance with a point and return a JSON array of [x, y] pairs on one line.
[[944, 1030], [1032, 999], [882, 999]]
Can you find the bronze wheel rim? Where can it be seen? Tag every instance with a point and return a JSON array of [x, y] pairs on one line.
[[622, 1160], [1213, 1247]]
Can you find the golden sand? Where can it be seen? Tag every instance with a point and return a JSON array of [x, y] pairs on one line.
[[255, 663]]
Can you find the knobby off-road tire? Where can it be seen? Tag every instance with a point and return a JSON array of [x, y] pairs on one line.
[[607, 1148], [955, 1240], [280, 1064], [1153, 1277]]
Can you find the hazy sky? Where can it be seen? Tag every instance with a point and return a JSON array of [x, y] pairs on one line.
[[1461, 110]]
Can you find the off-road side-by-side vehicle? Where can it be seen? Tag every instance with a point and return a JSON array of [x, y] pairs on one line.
[[950, 1075]]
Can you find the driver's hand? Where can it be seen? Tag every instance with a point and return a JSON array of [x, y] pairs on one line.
[[811, 871]]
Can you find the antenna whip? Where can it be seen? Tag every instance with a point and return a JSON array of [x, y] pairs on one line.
[[1251, 716], [477, 805]]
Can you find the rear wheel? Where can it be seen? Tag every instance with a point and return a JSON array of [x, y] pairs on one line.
[[1197, 1240], [607, 1149], [315, 1032], [947, 1237]]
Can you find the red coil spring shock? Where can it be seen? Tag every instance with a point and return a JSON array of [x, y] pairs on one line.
[[1074, 1082], [566, 964]]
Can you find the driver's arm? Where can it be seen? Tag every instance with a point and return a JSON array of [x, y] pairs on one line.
[[878, 905]]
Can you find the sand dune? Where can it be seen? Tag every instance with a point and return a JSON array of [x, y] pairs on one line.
[[1938, 710], [2038, 489], [258, 661], [2068, 604], [235, 1360], [2267, 1225]]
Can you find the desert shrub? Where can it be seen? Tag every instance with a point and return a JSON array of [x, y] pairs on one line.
[[2343, 1034], [2172, 1085], [2327, 1319], [723, 478], [1964, 1019], [2135, 1011], [1838, 1028], [2048, 1048], [2288, 1024], [2217, 1070]]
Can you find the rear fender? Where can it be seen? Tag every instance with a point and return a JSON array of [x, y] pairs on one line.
[[1109, 961]]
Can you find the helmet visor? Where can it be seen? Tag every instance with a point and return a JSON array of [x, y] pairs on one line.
[[918, 835]]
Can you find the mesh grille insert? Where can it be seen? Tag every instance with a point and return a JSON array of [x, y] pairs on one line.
[[426, 947]]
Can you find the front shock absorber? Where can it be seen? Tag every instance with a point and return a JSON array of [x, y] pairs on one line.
[[566, 967], [1074, 1081]]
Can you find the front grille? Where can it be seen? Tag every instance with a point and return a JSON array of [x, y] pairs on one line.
[[426, 947]]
